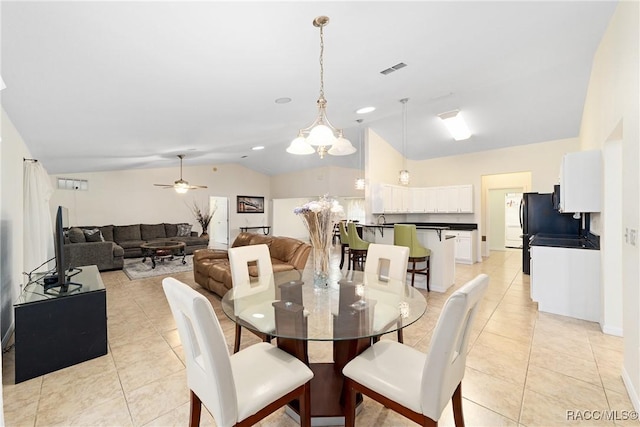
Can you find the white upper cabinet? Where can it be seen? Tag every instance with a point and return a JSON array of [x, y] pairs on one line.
[[389, 198], [581, 182]]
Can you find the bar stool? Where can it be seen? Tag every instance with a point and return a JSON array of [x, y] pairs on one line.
[[344, 242], [357, 247], [405, 235]]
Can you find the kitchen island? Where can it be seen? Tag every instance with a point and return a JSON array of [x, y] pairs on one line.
[[442, 261]]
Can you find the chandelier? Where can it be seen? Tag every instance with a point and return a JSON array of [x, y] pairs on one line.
[[321, 133], [404, 173]]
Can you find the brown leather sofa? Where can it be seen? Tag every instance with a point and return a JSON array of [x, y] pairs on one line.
[[211, 268]]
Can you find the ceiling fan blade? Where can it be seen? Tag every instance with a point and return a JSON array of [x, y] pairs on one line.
[[195, 187], [164, 185]]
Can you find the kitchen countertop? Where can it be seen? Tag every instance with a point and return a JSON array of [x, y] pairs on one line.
[[566, 241], [431, 225]]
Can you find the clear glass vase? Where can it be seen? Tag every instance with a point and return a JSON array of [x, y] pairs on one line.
[[321, 255]]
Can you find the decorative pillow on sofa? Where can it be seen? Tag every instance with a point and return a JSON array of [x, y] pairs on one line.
[[184, 230], [76, 235], [93, 235]]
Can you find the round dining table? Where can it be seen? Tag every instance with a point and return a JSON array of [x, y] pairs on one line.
[[351, 312]]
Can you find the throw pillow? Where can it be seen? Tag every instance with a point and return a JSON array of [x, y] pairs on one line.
[[93, 235], [184, 230], [76, 235]]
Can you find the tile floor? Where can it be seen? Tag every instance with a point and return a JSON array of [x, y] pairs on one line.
[[524, 368]]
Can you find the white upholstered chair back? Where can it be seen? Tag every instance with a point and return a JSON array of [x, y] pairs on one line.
[[446, 360], [387, 262], [209, 373], [240, 259]]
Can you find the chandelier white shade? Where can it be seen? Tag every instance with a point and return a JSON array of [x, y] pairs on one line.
[[456, 125], [321, 133]]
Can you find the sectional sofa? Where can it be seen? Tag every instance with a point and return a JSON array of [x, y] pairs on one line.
[[212, 271], [108, 245]]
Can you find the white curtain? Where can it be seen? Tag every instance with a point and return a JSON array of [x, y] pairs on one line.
[[355, 210], [38, 229]]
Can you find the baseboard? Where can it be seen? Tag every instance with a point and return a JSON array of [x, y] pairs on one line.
[[631, 391], [609, 330], [7, 336]]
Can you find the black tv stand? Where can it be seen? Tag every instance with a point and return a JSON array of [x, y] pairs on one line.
[[63, 288], [56, 328]]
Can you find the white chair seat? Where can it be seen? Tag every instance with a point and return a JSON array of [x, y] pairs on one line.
[[260, 316], [391, 369], [262, 373]]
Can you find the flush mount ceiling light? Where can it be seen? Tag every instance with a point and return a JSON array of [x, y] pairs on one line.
[[365, 110], [455, 124], [258, 147], [321, 133], [404, 173], [181, 186]]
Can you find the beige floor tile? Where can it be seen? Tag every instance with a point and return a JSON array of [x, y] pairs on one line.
[[113, 412], [149, 369], [475, 415], [581, 395], [157, 398], [496, 394], [546, 411], [576, 367], [622, 409]]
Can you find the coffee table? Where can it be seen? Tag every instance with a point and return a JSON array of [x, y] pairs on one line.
[[162, 250]]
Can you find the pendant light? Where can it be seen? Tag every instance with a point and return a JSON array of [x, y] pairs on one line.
[[321, 133], [404, 173], [360, 181]]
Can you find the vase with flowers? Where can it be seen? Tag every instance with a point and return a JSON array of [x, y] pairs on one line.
[[319, 217], [203, 216]]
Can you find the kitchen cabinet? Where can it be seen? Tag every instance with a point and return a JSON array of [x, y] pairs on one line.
[[389, 198], [566, 281], [581, 182], [465, 245]]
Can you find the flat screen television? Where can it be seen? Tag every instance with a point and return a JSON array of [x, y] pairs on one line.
[[60, 282]]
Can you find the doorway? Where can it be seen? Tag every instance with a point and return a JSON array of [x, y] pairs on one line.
[[504, 218], [219, 226]]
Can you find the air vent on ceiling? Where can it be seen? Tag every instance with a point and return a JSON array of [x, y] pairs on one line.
[[396, 67]]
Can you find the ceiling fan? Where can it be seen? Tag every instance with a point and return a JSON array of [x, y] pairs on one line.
[[181, 186]]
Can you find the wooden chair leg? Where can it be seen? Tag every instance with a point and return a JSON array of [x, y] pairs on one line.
[[196, 407], [342, 256], [400, 336], [349, 404], [305, 406], [428, 274], [236, 341], [456, 401]]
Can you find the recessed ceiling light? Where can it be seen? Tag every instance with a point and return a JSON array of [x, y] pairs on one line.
[[258, 147], [283, 100], [365, 110]]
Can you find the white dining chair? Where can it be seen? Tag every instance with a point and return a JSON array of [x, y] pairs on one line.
[[239, 389], [385, 273], [252, 280], [420, 387]]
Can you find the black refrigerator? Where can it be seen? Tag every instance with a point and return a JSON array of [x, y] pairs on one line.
[[537, 215]]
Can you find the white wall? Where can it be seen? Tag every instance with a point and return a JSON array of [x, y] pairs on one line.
[[129, 197], [330, 180], [12, 152], [611, 106]]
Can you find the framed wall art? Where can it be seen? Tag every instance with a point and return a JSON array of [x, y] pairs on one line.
[[250, 204]]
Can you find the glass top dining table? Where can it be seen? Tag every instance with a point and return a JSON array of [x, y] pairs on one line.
[[354, 305]]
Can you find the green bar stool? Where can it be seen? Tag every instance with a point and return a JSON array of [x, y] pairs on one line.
[[405, 235], [344, 242], [357, 247]]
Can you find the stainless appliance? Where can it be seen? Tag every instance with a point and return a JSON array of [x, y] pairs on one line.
[[537, 215]]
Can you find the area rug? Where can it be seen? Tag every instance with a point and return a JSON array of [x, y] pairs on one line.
[[135, 269]]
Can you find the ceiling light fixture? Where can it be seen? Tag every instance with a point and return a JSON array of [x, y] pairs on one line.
[[360, 181], [404, 173], [321, 133], [365, 110], [258, 147], [181, 186], [456, 125]]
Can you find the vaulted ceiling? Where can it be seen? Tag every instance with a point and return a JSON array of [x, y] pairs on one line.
[[116, 85]]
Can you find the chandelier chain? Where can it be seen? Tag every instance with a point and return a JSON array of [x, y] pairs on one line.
[[321, 63]]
